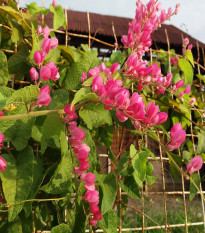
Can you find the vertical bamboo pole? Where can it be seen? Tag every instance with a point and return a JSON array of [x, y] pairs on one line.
[[88, 17]]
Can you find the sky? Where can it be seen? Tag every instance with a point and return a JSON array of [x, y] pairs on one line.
[[191, 16]]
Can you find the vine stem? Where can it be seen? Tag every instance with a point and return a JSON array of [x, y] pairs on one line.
[[30, 114]]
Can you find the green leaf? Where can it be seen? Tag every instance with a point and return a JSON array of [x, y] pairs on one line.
[[18, 63], [59, 16], [189, 56], [3, 100], [139, 163], [84, 94], [67, 53], [17, 31], [59, 99], [109, 222], [17, 180], [174, 171], [92, 155], [193, 190], [186, 67], [123, 167], [35, 9], [150, 179], [48, 131], [27, 223], [184, 109], [201, 142], [130, 187], [13, 5], [116, 57], [200, 76], [84, 64], [15, 226], [37, 180], [62, 228], [94, 115], [19, 132], [4, 74], [25, 95], [61, 180], [187, 156], [80, 216], [109, 188], [25, 21]]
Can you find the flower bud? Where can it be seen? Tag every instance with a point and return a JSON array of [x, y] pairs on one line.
[[38, 58], [45, 73], [54, 43], [39, 29], [46, 45], [54, 3], [46, 32], [34, 74]]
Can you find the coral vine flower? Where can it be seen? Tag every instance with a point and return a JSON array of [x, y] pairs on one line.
[[195, 164], [44, 98], [34, 74], [1, 140], [3, 164], [178, 136], [1, 113]]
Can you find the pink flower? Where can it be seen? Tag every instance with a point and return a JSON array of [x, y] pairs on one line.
[[44, 98], [34, 74], [1, 140], [92, 197], [46, 32], [185, 41], [195, 164], [3, 164], [38, 57], [193, 100], [114, 67], [54, 71], [84, 165], [1, 113], [54, 3], [83, 77], [45, 73], [89, 180], [39, 29], [97, 83], [92, 222], [178, 136], [121, 116], [190, 47], [53, 42], [187, 89], [70, 113], [179, 84], [46, 45], [162, 117]]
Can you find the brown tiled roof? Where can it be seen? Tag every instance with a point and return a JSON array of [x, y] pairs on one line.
[[101, 26]]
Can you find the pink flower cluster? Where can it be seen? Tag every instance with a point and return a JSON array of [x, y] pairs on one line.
[[3, 164], [147, 18], [113, 95], [178, 136], [137, 69], [48, 71], [81, 150], [195, 164]]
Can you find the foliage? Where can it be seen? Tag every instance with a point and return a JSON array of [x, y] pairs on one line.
[[43, 180]]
